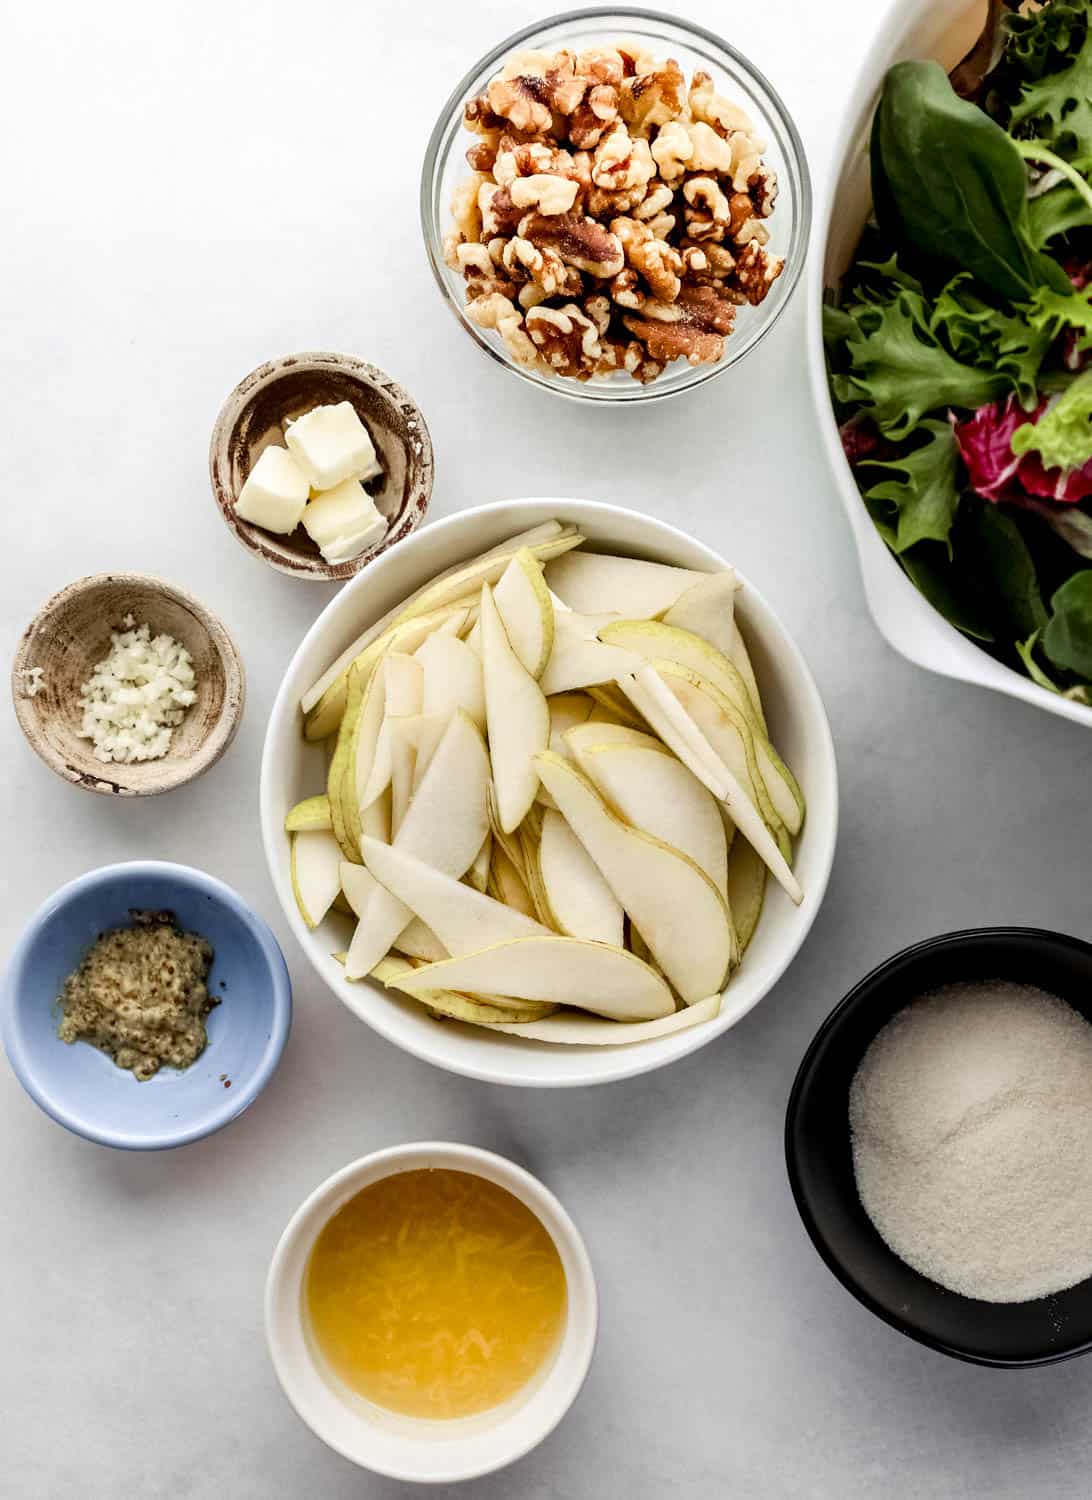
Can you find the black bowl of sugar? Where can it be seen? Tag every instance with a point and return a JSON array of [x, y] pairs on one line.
[[939, 1144]]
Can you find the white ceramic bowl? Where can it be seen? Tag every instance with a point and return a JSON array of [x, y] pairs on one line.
[[407, 1448], [944, 30], [292, 769]]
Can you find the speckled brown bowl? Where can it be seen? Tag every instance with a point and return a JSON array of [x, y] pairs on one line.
[[253, 418], [72, 632]]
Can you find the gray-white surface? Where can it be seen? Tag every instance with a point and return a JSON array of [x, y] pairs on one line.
[[187, 191]]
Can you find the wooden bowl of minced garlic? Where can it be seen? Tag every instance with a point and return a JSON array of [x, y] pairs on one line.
[[126, 685]]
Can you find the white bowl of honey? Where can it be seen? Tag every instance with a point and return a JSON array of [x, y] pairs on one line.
[[431, 1312]]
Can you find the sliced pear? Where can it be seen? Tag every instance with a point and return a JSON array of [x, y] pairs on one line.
[[315, 867], [507, 882], [613, 707], [588, 1031], [652, 790], [358, 884], [403, 749], [526, 610], [580, 900], [447, 1004], [517, 716], [566, 711], [746, 889], [680, 913], [419, 941], [452, 678], [740, 658], [478, 874], [596, 734], [340, 766], [446, 824], [656, 640], [375, 819], [589, 581], [726, 729], [579, 662], [708, 609], [325, 717], [553, 970], [679, 732], [530, 832], [499, 556], [363, 745], [424, 733], [403, 678], [308, 816], [462, 918]]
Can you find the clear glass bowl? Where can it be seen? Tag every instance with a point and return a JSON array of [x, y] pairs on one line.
[[692, 47]]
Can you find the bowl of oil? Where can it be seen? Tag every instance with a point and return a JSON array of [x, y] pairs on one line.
[[431, 1312]]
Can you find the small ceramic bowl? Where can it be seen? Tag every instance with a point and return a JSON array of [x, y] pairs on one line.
[[253, 417], [83, 1089], [693, 48], [820, 1161], [413, 1449], [71, 633]]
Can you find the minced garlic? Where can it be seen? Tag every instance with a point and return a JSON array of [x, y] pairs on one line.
[[141, 995], [137, 696]]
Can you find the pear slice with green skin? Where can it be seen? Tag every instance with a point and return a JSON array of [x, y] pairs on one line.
[[553, 970], [571, 1030], [725, 728], [657, 641], [364, 731], [340, 764], [315, 865], [517, 717], [403, 687], [612, 707], [740, 658], [746, 890], [708, 610], [591, 581], [309, 816], [462, 918], [546, 532], [452, 678], [446, 825], [325, 718], [527, 611], [579, 659], [447, 1005], [529, 837], [678, 910], [581, 902], [652, 790], [679, 732]]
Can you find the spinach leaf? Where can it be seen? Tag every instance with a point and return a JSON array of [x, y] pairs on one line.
[[949, 181], [1067, 638], [1009, 572], [945, 587], [922, 497], [898, 369], [1058, 211]]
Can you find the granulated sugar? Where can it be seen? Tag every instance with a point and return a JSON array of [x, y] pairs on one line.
[[971, 1120]]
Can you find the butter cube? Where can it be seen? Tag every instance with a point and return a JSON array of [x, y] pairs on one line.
[[343, 522], [275, 492], [332, 444]]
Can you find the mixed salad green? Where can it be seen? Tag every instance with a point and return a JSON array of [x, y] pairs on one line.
[[960, 344]]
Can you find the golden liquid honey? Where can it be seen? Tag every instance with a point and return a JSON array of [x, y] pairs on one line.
[[435, 1293]]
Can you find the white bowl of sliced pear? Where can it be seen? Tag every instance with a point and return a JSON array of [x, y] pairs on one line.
[[521, 802]]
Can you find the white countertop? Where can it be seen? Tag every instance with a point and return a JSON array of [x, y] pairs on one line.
[[188, 191]]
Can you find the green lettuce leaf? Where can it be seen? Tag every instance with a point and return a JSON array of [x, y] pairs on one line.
[[1067, 636], [898, 369], [921, 498], [1009, 342], [1063, 434], [1055, 105]]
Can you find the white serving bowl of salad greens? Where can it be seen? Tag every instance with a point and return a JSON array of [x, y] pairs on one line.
[[950, 343]]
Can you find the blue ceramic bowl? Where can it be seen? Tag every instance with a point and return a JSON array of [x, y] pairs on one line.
[[79, 1086]]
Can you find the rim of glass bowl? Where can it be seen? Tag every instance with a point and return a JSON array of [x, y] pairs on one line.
[[722, 57]]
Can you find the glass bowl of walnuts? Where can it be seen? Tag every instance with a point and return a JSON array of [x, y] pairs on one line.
[[615, 204]]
